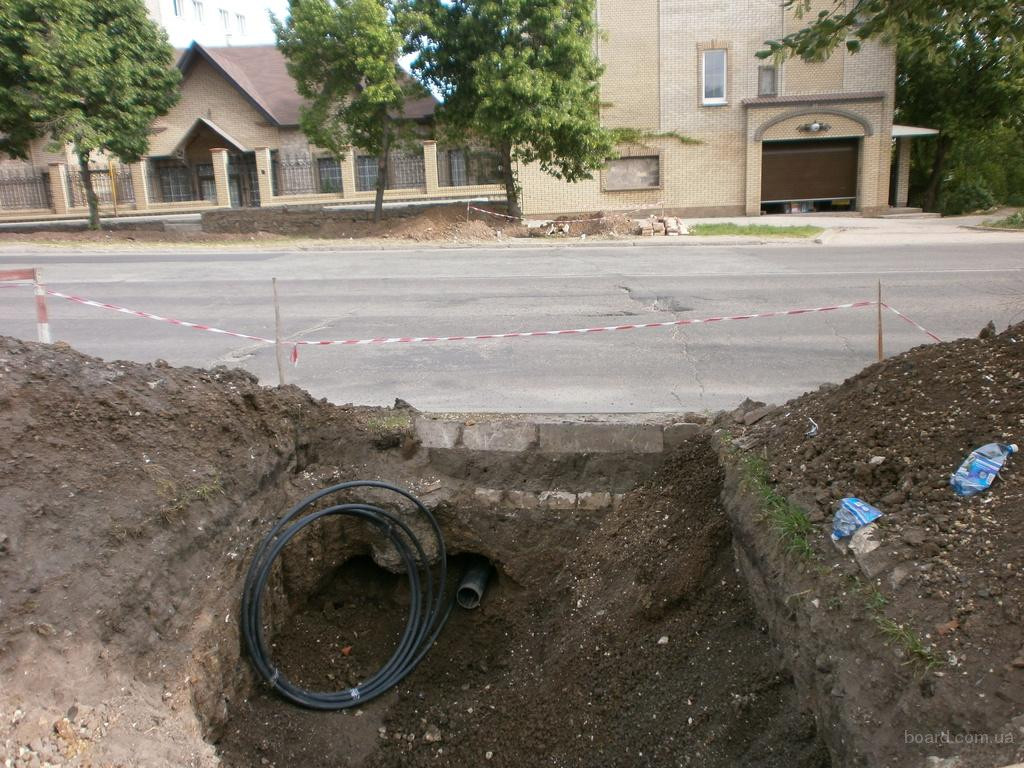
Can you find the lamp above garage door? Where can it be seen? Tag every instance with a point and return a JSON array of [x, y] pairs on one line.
[[809, 170]]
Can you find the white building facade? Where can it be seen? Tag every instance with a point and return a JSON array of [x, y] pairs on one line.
[[212, 22]]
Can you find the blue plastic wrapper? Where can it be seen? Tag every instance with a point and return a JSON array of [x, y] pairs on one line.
[[981, 468], [851, 515]]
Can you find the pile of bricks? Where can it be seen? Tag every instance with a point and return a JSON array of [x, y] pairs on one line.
[[659, 225]]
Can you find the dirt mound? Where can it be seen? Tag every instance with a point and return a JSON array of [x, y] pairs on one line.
[[125, 487], [133, 497], [949, 569]]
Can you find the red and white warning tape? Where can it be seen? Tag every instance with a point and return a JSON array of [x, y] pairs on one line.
[[916, 325], [475, 337], [151, 316], [381, 340]]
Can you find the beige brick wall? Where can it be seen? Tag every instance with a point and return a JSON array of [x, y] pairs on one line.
[[629, 51], [205, 93], [722, 174]]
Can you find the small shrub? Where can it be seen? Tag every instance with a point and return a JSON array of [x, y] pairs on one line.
[[966, 196], [1015, 200], [1015, 221]]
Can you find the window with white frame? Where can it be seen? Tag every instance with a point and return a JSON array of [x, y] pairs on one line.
[[197, 9], [176, 7], [240, 20], [225, 17], [713, 78]]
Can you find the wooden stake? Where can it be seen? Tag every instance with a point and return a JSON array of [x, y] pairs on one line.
[[881, 346], [278, 349]]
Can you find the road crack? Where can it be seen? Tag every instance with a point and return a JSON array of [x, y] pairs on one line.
[[678, 335], [831, 326]]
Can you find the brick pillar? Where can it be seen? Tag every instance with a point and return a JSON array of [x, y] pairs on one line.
[[264, 169], [868, 181], [902, 173], [220, 177], [348, 173], [59, 188], [752, 203], [140, 185], [430, 166]]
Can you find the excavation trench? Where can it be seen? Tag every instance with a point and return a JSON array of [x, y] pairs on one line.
[[614, 629]]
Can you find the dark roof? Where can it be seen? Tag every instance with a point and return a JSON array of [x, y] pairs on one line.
[[260, 74], [814, 98]]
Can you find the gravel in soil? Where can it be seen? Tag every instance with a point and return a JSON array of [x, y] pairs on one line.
[[949, 570], [644, 651]]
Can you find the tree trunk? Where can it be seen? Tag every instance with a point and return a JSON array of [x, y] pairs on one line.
[[931, 191], [90, 193], [511, 183], [382, 170]]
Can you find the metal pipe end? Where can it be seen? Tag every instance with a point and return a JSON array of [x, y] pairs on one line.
[[474, 584], [468, 597]]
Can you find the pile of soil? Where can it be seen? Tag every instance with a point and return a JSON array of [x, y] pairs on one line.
[[135, 493], [949, 568], [131, 495], [643, 651]]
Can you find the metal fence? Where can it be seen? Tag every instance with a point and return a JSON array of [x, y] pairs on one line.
[[171, 181], [461, 166], [406, 170], [23, 189], [306, 175], [112, 185]]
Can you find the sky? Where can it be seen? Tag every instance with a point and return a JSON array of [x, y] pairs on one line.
[[280, 9]]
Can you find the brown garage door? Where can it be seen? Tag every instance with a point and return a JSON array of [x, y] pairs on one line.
[[823, 169]]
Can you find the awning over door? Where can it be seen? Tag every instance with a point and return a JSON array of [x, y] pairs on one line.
[[911, 131], [818, 169], [203, 124]]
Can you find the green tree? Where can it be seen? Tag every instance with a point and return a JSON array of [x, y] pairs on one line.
[[964, 78], [853, 21], [520, 75], [343, 55], [93, 74]]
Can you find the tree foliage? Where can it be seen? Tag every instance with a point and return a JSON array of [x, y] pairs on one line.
[[343, 56], [850, 22], [94, 74], [965, 78], [520, 75]]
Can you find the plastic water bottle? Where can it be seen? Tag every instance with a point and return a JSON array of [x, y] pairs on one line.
[[852, 514], [980, 469]]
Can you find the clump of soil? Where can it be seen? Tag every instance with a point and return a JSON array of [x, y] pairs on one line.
[[644, 650], [952, 574], [131, 495]]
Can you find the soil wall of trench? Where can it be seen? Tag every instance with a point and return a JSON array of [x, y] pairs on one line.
[[641, 613]]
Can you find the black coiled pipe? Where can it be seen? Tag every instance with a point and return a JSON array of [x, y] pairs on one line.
[[428, 611]]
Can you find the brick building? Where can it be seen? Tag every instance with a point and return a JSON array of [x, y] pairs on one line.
[[787, 137], [234, 139]]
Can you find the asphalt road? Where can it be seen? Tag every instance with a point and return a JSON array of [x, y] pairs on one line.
[[952, 289]]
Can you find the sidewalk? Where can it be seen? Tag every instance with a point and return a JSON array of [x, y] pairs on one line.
[[843, 230]]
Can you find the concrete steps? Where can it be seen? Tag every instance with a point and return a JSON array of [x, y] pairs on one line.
[[909, 213]]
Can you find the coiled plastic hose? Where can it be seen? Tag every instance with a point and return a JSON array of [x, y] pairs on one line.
[[427, 612]]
